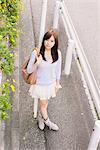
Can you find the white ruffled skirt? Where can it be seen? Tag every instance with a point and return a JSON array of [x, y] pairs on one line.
[[43, 91]]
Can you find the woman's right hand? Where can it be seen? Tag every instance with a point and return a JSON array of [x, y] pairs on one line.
[[39, 59]]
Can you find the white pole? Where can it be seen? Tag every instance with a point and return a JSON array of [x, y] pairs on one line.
[[70, 42], [95, 137], [43, 20], [71, 46], [56, 14], [35, 107]]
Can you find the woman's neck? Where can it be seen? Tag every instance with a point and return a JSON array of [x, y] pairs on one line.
[[47, 53], [48, 50]]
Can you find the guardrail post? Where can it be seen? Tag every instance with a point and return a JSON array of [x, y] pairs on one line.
[[43, 20], [68, 60], [95, 137], [56, 14]]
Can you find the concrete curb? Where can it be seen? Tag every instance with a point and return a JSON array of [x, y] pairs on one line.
[[15, 106], [2, 129]]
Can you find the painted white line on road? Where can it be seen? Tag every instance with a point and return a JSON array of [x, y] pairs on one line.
[[92, 106]]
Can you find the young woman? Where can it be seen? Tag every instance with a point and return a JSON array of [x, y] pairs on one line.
[[48, 76]]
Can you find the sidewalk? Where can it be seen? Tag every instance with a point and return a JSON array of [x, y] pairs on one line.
[[70, 109], [30, 136]]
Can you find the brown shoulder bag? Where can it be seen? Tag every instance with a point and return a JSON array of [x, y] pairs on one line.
[[29, 78]]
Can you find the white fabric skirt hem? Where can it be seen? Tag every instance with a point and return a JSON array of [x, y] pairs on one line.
[[43, 91]]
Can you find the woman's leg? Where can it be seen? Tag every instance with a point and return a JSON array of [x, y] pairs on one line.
[[43, 104]]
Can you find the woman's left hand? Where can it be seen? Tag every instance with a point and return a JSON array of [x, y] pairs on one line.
[[58, 86]]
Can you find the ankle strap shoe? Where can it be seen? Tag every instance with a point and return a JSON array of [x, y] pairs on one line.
[[41, 123], [51, 125]]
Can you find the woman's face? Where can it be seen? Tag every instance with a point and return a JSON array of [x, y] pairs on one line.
[[49, 43]]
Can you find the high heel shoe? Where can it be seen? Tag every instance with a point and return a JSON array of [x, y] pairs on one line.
[[51, 125]]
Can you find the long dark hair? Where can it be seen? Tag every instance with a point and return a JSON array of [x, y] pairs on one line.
[[54, 49]]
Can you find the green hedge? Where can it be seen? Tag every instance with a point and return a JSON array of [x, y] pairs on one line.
[[9, 16]]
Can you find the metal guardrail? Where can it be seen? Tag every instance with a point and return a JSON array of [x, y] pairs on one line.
[[72, 35]]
